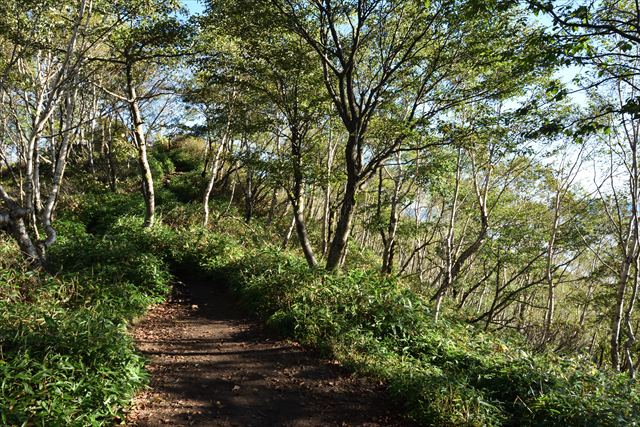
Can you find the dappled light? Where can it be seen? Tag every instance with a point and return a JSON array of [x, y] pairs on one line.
[[212, 365]]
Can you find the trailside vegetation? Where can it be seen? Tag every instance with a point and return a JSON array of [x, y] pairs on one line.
[[440, 195]]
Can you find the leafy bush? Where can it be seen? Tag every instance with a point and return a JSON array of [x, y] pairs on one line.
[[96, 213], [159, 167], [66, 358], [187, 187], [186, 154]]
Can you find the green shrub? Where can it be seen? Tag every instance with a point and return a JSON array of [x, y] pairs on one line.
[[65, 355], [187, 187], [157, 167], [187, 153], [96, 213]]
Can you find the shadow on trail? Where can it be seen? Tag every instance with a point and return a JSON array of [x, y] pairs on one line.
[[213, 366]]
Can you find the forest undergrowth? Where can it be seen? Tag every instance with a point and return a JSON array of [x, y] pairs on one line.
[[66, 357]]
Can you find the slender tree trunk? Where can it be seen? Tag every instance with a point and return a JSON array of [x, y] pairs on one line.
[[248, 197], [326, 234], [616, 324], [141, 145], [585, 307], [392, 229], [52, 140], [496, 295], [111, 159], [32, 170], [212, 179], [37, 197], [631, 338], [272, 206], [207, 152], [215, 168], [58, 174], [449, 275], [303, 236], [481, 299], [287, 237], [297, 198], [331, 149], [92, 130], [233, 193], [310, 205], [551, 298]]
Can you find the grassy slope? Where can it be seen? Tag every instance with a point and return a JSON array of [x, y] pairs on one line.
[[66, 357]]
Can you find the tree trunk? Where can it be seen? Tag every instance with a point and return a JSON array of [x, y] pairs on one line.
[[111, 160], [450, 261], [303, 236], [287, 237], [272, 206], [297, 198], [141, 145], [326, 234], [212, 179], [616, 324], [390, 243], [215, 168], [248, 197], [58, 174], [14, 222], [343, 227], [548, 320], [92, 130]]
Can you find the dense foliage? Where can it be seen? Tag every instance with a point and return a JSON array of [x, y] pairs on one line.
[[66, 356]]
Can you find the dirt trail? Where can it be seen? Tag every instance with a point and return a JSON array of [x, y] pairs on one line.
[[210, 366]]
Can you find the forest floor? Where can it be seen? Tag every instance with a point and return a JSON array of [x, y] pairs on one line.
[[212, 366]]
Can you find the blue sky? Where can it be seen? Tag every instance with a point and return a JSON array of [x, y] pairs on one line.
[[194, 6]]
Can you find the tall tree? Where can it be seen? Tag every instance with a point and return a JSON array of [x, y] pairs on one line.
[[376, 54], [281, 71], [40, 77], [146, 35]]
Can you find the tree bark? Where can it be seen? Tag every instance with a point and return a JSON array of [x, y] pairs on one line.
[[111, 159], [297, 198], [141, 146], [551, 298], [343, 227], [13, 220], [58, 174], [450, 261], [326, 220], [212, 179]]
